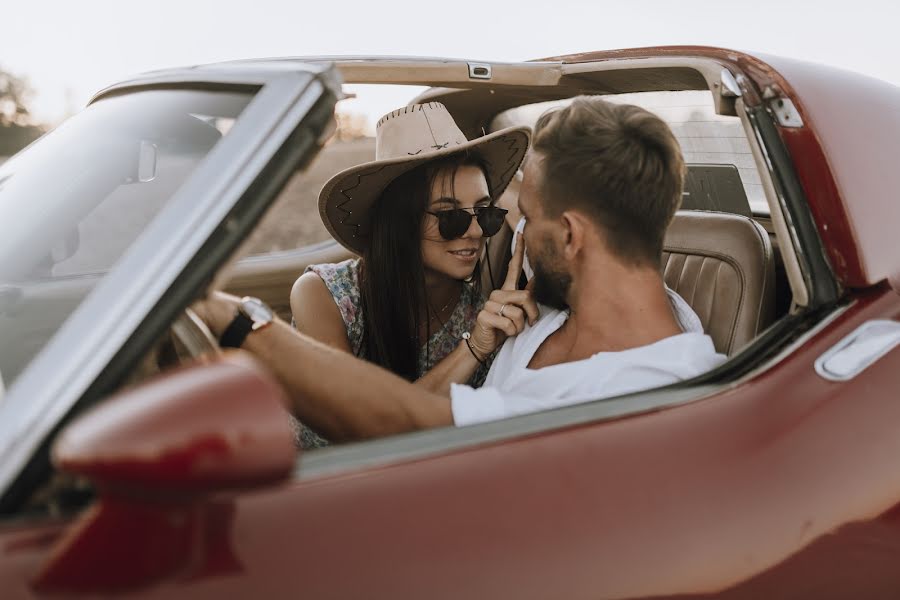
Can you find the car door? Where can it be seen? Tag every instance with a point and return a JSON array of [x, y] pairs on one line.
[[772, 477], [764, 478], [280, 118]]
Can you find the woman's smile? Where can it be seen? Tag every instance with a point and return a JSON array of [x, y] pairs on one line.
[[465, 254]]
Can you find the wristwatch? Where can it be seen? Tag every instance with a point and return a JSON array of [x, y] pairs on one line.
[[252, 315]]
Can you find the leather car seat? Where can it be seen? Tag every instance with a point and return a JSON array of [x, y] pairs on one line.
[[722, 264]]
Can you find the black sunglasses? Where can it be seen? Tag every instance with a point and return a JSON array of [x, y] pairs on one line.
[[454, 222]]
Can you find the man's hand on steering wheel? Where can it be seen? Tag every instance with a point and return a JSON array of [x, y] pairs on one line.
[[216, 310]]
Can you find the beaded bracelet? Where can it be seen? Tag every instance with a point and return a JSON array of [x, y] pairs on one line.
[[466, 337]]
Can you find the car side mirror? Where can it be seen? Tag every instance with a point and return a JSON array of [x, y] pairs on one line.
[[201, 429], [163, 457]]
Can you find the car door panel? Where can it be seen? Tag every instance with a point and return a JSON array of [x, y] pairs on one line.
[[782, 482], [740, 491]]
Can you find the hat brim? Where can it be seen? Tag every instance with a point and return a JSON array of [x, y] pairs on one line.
[[347, 198]]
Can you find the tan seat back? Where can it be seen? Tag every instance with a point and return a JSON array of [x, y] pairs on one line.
[[722, 264]]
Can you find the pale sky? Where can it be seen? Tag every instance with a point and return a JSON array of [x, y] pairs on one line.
[[69, 50]]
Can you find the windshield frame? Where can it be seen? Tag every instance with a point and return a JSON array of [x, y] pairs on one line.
[[57, 378]]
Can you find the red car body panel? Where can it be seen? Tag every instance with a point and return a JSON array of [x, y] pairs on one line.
[[856, 122], [783, 485], [753, 488]]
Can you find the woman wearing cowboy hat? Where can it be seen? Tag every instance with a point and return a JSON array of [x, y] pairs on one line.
[[418, 217]]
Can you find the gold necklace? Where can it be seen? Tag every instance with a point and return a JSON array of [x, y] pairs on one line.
[[437, 314]]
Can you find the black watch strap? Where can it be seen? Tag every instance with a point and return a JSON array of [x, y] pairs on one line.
[[237, 331]]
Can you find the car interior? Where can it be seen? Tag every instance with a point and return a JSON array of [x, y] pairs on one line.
[[722, 252], [728, 252]]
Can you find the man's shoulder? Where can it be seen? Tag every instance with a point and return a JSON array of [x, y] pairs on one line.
[[689, 353]]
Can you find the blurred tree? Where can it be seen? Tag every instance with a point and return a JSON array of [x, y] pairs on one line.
[[16, 129], [14, 93], [350, 126]]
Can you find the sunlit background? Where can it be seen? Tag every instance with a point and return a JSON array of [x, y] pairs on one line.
[[66, 51]]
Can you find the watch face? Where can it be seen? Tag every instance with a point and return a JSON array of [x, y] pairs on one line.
[[256, 311]]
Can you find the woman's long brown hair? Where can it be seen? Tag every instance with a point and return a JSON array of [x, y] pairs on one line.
[[392, 275]]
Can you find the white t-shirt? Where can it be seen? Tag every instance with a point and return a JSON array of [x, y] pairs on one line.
[[513, 389], [684, 314]]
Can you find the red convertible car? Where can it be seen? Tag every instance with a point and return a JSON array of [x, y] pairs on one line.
[[139, 462]]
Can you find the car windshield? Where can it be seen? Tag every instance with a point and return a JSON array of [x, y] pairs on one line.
[[72, 203], [721, 171]]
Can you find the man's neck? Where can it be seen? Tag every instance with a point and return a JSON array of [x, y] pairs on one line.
[[614, 309]]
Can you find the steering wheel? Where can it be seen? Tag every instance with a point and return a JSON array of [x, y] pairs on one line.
[[194, 336]]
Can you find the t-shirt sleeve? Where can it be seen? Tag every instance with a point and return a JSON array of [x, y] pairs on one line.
[[470, 406]]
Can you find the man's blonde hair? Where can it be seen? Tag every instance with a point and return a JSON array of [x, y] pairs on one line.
[[618, 163]]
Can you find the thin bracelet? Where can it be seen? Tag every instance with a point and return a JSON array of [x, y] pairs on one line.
[[466, 337]]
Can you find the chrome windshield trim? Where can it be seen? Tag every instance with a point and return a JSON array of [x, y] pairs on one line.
[[420, 444], [238, 75], [57, 377]]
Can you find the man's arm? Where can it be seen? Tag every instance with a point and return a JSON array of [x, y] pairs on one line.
[[335, 393], [456, 367]]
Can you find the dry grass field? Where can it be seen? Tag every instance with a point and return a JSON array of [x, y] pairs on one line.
[[293, 221]]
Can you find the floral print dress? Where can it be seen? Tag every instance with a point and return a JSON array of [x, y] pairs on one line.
[[342, 280]]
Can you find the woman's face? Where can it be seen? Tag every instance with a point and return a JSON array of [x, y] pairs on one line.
[[454, 258]]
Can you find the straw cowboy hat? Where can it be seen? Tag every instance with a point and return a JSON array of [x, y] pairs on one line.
[[404, 139]]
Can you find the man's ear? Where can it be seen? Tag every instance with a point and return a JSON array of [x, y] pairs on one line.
[[574, 230]]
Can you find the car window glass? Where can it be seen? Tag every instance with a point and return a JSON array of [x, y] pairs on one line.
[[72, 203], [293, 221], [706, 138], [107, 231]]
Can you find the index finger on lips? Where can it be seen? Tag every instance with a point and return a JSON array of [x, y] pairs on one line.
[[515, 265]]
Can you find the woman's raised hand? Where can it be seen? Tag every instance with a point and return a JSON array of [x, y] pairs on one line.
[[506, 310]]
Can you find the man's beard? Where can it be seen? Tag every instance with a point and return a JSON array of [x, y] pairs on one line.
[[550, 285]]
